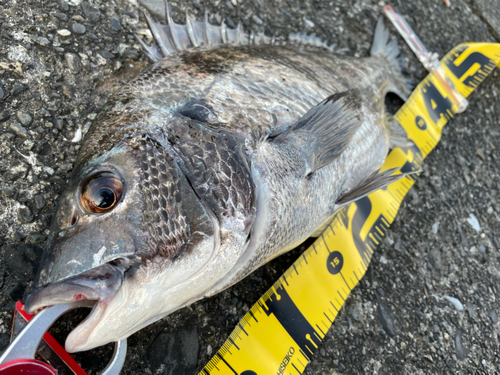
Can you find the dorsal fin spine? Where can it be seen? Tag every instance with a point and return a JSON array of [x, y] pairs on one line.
[[157, 36], [223, 32], [190, 30], [205, 24], [172, 38], [171, 26]]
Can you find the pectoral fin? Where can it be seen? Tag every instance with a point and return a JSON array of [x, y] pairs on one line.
[[325, 131]]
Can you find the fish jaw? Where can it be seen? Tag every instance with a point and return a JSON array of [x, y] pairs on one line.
[[100, 285], [133, 293], [152, 291]]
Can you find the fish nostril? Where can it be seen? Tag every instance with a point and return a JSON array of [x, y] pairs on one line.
[[74, 220]]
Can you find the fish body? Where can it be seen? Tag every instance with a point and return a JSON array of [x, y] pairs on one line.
[[210, 163]]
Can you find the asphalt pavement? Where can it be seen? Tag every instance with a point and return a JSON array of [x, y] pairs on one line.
[[430, 300]]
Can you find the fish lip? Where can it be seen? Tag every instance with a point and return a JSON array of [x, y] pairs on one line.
[[78, 337], [100, 285]]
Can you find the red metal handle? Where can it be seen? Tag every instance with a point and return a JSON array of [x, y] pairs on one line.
[[28, 367]]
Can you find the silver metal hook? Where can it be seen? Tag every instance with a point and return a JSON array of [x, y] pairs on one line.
[[26, 343]]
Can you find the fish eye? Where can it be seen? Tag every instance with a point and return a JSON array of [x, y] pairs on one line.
[[101, 192]]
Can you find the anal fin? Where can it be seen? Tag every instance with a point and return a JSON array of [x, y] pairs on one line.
[[319, 230], [369, 185], [397, 135], [374, 182]]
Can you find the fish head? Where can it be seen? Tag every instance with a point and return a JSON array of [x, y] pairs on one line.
[[131, 234]]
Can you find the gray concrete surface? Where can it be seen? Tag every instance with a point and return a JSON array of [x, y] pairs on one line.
[[59, 62]]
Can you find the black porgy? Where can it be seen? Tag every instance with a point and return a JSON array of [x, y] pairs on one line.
[[226, 152]]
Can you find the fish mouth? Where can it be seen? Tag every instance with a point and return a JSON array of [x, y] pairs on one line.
[[100, 284]]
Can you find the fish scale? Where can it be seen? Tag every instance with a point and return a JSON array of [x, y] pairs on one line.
[[164, 214]]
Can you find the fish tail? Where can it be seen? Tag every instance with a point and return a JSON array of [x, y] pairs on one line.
[[388, 49]]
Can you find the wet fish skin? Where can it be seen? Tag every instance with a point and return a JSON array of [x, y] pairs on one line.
[[218, 177]]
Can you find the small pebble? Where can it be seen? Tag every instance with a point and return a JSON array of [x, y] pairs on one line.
[[285, 13], [462, 351], [386, 317], [115, 24], [73, 62], [309, 23], [257, 20], [2, 94], [106, 54], [493, 316], [18, 129], [68, 90], [46, 219], [63, 5], [455, 302], [25, 215], [41, 40], [61, 16], [132, 54], [8, 192], [64, 32], [20, 236], [78, 18], [78, 28], [78, 135], [474, 223], [4, 116], [355, 314], [24, 118], [91, 13], [39, 202], [480, 152], [471, 310], [18, 89], [435, 227], [37, 238]]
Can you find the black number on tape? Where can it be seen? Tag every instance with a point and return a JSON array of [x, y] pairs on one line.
[[435, 103], [420, 122], [334, 262], [474, 58]]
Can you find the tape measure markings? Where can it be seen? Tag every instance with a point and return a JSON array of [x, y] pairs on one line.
[[286, 326]]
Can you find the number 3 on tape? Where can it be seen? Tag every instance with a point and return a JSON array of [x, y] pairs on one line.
[[285, 327]]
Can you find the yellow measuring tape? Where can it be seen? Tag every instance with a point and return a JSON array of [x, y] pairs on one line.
[[285, 327]]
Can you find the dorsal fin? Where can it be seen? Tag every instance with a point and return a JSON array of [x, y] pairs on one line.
[[172, 37]]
